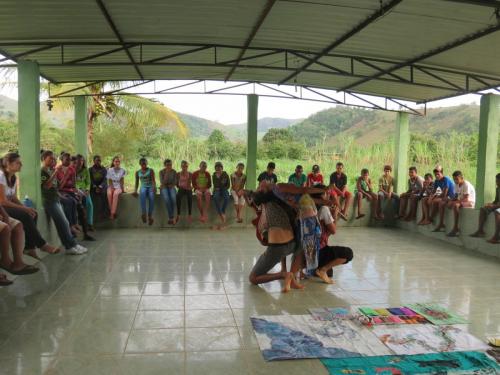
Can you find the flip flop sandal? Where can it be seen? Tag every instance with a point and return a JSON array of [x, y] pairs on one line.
[[5, 282], [26, 270]]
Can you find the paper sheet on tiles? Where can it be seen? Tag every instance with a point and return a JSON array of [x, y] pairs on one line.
[[437, 314], [301, 336], [453, 363], [421, 339], [330, 313]]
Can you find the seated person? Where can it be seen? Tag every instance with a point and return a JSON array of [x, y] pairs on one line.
[[315, 177], [10, 165], [298, 178], [168, 182], [12, 233], [338, 189], [185, 189], [52, 205], [412, 195], [83, 186], [488, 209], [329, 256], [275, 225], [444, 191], [238, 181], [221, 183], [364, 190], [146, 177], [268, 175], [465, 197], [98, 187], [202, 183], [386, 192], [116, 185], [427, 193]]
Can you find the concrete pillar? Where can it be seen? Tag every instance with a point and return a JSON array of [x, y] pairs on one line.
[[251, 167], [29, 129], [402, 142], [489, 126], [81, 126]]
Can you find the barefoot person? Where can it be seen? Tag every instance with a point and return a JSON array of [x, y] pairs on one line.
[[147, 192], [185, 189], [411, 196], [116, 185], [221, 184], [202, 184], [238, 181], [168, 182], [9, 166], [426, 196], [445, 191], [364, 190], [275, 225], [487, 209], [386, 192], [338, 189]]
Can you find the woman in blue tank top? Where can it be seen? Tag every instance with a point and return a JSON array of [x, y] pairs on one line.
[[147, 191]]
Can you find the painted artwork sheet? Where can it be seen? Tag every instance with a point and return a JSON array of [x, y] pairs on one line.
[[422, 339], [301, 336], [391, 315], [454, 363], [330, 313], [437, 314]]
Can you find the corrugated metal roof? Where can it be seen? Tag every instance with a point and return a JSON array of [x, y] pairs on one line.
[[197, 39]]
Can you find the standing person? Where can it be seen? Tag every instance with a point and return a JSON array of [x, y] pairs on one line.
[[168, 182], [488, 209], [52, 205], [465, 197], [83, 186], [116, 180], [427, 195], [202, 184], [221, 184], [98, 186], [11, 230], [444, 191], [146, 177], [269, 175], [298, 178], [10, 164], [238, 181], [364, 190], [338, 189], [315, 177], [412, 195], [386, 192], [185, 189]]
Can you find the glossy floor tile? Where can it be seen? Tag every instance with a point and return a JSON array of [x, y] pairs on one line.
[[178, 301]]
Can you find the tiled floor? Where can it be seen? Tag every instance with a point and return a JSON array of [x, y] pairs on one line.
[[178, 301]]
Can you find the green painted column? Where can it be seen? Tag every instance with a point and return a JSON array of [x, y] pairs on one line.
[[81, 126], [402, 142], [489, 126], [251, 167], [29, 129]]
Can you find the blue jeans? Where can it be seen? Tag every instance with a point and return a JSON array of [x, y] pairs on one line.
[[89, 206], [147, 193], [168, 195], [56, 213], [221, 199]]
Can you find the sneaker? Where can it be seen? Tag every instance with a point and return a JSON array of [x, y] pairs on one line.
[[73, 251], [81, 249]]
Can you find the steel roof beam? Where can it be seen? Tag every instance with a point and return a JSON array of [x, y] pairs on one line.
[[13, 58], [255, 29], [426, 55], [100, 54], [74, 89], [111, 24], [485, 3], [171, 56], [30, 52], [373, 17]]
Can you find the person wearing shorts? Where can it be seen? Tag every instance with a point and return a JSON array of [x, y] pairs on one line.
[[411, 196], [202, 183], [238, 181], [485, 211], [338, 189]]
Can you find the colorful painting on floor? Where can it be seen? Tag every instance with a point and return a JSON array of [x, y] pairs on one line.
[[392, 315], [437, 314], [422, 364], [426, 338], [330, 313], [301, 336]]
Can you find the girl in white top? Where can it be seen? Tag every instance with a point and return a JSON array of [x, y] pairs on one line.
[[116, 180]]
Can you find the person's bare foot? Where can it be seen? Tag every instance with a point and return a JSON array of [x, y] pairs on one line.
[[296, 285], [323, 276], [493, 240], [360, 216], [32, 253], [50, 249], [287, 282], [478, 233], [425, 222]]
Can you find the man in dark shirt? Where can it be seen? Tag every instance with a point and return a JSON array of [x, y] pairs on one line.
[[269, 175], [338, 189], [98, 186]]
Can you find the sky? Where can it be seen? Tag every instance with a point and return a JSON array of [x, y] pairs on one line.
[[231, 109]]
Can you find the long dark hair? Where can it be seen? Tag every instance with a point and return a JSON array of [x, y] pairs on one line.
[[113, 161], [7, 159]]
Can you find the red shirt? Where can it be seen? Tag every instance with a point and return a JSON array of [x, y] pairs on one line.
[[70, 183], [313, 180]]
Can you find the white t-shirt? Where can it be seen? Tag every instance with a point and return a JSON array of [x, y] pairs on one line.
[[465, 189], [115, 176], [325, 215], [9, 191]]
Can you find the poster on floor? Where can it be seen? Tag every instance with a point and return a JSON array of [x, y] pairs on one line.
[[437, 314]]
